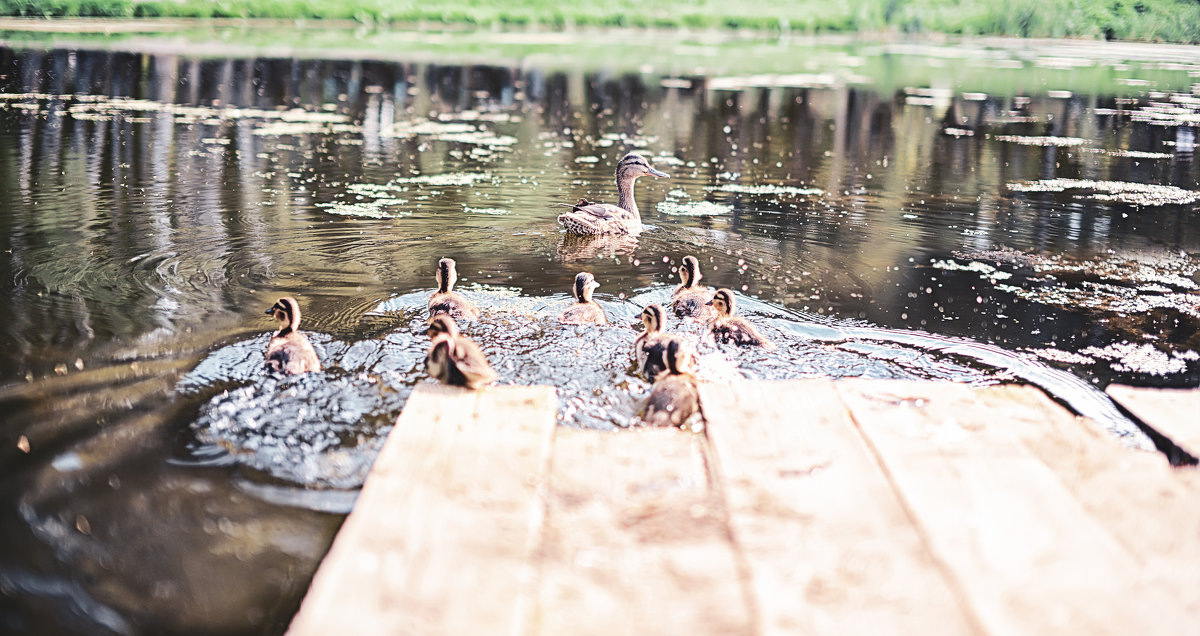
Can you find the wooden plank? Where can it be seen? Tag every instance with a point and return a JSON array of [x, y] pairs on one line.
[[1029, 557], [1173, 412], [441, 536], [1151, 509], [635, 539], [830, 548]]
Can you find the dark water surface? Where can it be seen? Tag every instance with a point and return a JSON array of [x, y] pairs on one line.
[[153, 478]]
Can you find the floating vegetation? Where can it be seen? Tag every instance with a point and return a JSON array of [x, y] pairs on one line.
[[958, 132], [587, 159], [489, 211], [376, 209], [449, 179], [693, 208], [1141, 194], [768, 189], [1131, 154], [1058, 355], [987, 271], [452, 131], [1142, 358], [1043, 141]]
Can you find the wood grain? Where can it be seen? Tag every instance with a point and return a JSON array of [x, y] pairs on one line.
[[1025, 551], [830, 548], [636, 540], [1173, 412], [441, 537]]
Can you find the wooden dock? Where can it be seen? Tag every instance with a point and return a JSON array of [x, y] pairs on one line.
[[805, 507]]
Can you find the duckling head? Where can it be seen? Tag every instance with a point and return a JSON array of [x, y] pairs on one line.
[[653, 318], [633, 165], [287, 312], [723, 302], [442, 324], [447, 275], [679, 358], [689, 271], [584, 284]]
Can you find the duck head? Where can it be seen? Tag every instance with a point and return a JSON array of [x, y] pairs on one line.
[[440, 325], [653, 318], [679, 358], [633, 165], [287, 312], [689, 271], [446, 274], [723, 302], [584, 284]]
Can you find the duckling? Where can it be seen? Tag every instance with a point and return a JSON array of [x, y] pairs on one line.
[[447, 301], [726, 327], [652, 343], [585, 311], [455, 359], [289, 351], [594, 219], [675, 397], [690, 298]]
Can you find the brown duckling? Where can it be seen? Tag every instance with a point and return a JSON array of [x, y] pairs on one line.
[[455, 359], [690, 299], [675, 397], [447, 301], [595, 219], [585, 311], [289, 351], [651, 344], [727, 327]]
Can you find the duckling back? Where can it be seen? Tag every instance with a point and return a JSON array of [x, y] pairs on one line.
[[588, 313], [292, 354]]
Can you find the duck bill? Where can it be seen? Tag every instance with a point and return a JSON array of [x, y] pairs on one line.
[[660, 175], [708, 303], [270, 311]]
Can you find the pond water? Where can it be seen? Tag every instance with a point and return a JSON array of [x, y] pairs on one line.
[[978, 214]]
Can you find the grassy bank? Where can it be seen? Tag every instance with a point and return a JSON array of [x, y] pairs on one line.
[[1144, 20]]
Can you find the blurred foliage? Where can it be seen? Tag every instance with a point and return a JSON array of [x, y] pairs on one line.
[[1145, 20]]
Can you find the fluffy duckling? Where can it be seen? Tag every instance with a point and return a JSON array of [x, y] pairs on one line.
[[455, 359], [674, 398], [727, 327], [585, 311], [447, 301], [595, 219], [289, 351], [651, 345], [690, 299]]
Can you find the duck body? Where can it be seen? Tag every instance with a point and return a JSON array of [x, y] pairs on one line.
[[584, 311], [289, 351], [447, 301], [675, 396], [598, 219], [454, 359], [729, 328], [690, 299], [650, 347]]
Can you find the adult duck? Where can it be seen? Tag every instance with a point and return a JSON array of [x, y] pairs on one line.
[[597, 219]]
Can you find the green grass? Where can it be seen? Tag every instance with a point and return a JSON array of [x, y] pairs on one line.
[[1145, 20]]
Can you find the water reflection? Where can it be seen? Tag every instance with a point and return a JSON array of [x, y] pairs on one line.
[[155, 203]]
